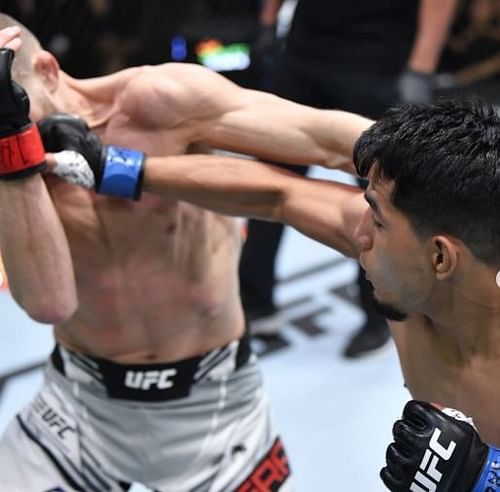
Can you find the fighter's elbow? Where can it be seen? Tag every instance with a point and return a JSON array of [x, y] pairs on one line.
[[50, 309], [53, 314]]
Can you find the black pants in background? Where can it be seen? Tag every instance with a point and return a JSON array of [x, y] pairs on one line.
[[315, 84]]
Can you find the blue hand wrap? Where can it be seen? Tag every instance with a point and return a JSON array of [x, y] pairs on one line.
[[489, 480], [123, 173]]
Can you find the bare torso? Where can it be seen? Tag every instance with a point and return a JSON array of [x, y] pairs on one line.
[[157, 280], [435, 372]]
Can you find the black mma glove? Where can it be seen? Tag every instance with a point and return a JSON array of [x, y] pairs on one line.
[[82, 159], [21, 149], [439, 451]]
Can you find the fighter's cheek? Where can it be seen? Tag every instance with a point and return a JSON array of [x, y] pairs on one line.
[[370, 262]]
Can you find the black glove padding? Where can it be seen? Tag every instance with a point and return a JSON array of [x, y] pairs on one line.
[[15, 106], [433, 451], [21, 150], [110, 170], [64, 131]]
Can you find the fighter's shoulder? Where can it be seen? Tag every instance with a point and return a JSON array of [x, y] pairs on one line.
[[175, 79], [176, 86]]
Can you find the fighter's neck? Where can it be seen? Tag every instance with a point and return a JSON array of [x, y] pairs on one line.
[[470, 319], [92, 99]]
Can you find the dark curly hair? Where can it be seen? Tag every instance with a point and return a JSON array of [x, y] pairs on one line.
[[444, 160]]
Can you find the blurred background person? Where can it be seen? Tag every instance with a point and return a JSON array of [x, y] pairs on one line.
[[359, 56]]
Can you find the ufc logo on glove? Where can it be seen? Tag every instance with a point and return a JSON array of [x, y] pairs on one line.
[[429, 476]]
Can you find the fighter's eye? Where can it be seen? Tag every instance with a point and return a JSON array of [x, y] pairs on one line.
[[376, 223]]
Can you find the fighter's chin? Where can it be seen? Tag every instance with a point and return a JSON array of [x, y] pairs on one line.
[[386, 309], [389, 311]]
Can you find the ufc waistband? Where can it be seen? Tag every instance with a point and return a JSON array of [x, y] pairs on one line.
[[151, 382]]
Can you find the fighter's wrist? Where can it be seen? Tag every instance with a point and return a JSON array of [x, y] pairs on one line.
[[489, 477], [419, 73], [122, 173], [21, 154]]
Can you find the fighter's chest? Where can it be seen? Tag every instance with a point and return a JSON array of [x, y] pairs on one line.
[[110, 228]]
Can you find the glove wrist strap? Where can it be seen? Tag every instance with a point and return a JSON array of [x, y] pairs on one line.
[[489, 479], [21, 154], [123, 173]]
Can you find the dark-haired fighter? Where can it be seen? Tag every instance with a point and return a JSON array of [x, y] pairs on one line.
[[426, 231]]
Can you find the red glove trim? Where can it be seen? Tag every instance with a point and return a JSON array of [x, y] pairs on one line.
[[21, 151]]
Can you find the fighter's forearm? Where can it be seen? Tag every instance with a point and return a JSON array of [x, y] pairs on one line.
[[281, 131], [231, 186], [323, 210], [215, 111], [435, 18], [35, 251]]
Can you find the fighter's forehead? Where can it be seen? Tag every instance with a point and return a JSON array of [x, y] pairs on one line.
[[378, 183], [378, 192]]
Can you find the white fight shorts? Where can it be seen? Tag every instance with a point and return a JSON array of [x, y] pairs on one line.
[[196, 425]]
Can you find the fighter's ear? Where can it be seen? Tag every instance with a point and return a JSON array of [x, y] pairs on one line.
[[47, 68], [444, 256]]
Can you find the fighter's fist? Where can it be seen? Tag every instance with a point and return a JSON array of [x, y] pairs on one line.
[[439, 451], [82, 159], [21, 150]]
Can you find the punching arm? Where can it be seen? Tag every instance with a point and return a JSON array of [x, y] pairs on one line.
[[213, 110], [323, 210], [326, 211]]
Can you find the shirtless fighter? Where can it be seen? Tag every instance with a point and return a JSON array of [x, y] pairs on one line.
[[427, 232], [151, 379]]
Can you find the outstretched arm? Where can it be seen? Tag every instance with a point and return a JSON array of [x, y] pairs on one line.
[[205, 107], [323, 210], [326, 211]]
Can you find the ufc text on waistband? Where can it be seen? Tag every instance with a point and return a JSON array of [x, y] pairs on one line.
[[145, 382]]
